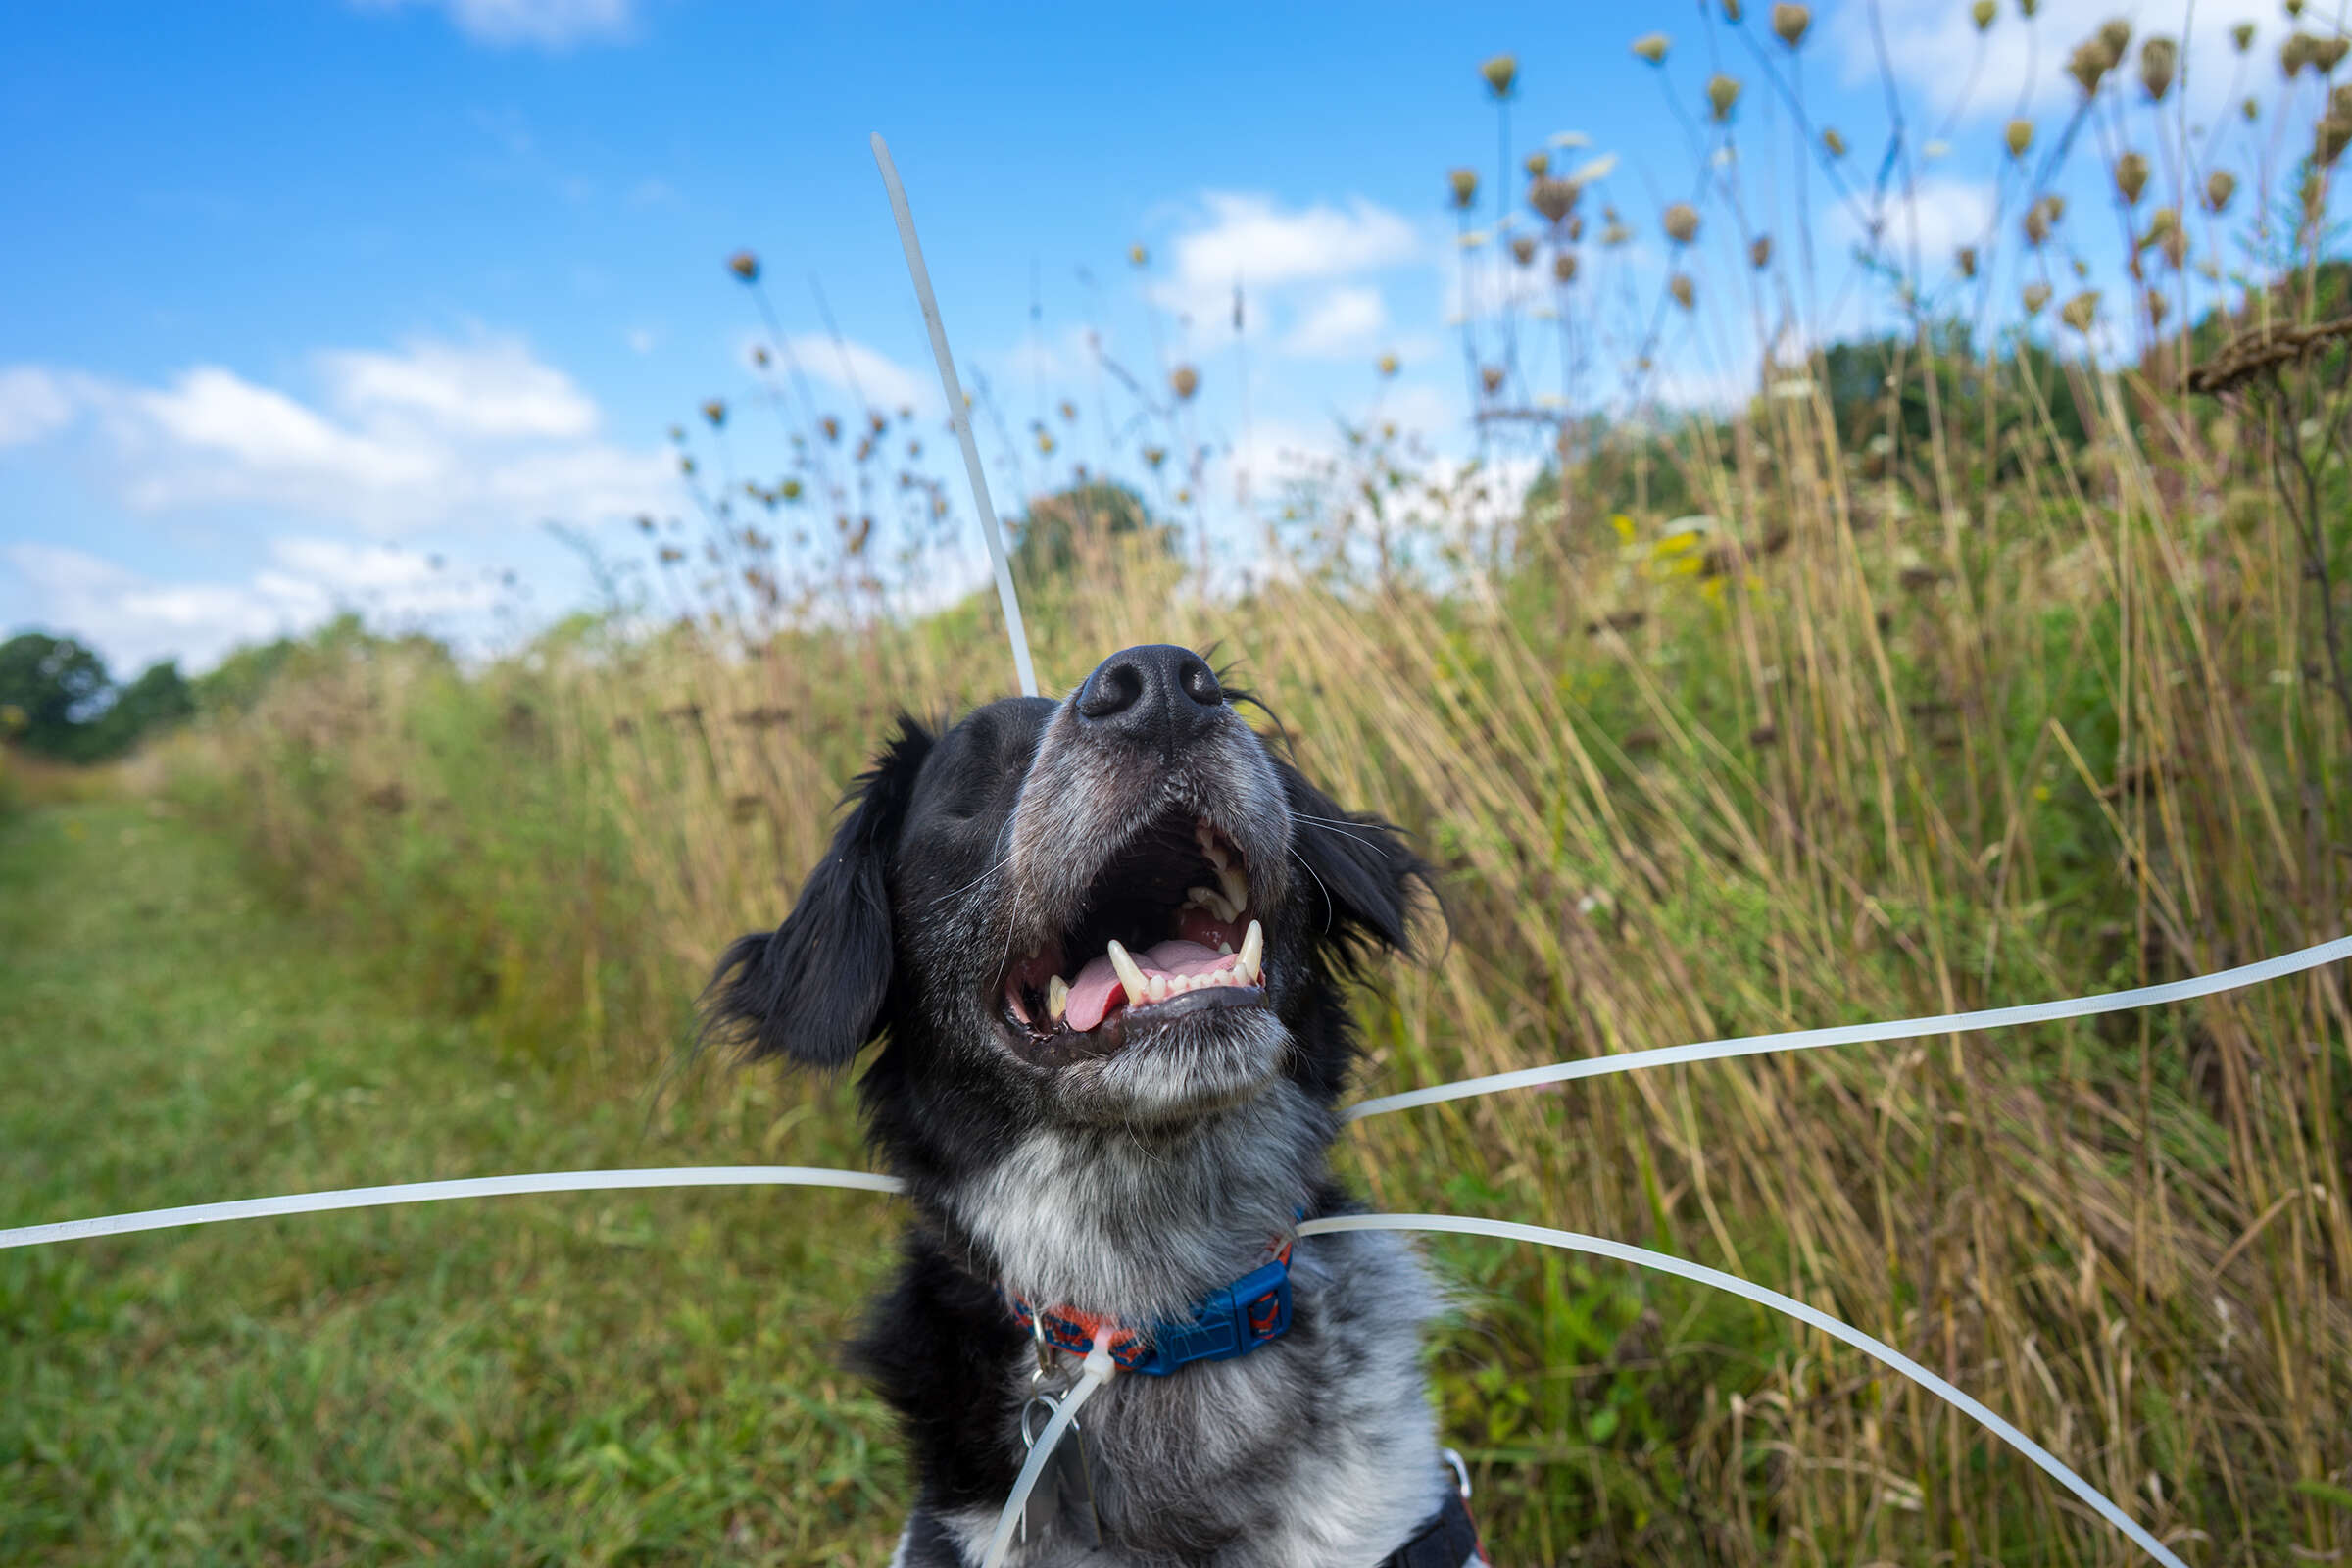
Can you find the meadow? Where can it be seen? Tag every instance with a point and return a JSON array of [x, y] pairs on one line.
[[1993, 657]]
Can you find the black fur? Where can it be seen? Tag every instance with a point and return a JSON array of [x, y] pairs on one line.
[[1125, 1183]]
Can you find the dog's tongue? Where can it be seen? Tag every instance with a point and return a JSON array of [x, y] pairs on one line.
[[1099, 982]]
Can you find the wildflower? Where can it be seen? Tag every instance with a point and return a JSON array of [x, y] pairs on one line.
[[1388, 365], [2159, 58], [1538, 164], [1553, 198], [2036, 296], [1652, 46], [2019, 136], [2220, 185], [1465, 184], [1500, 72], [744, 264], [2080, 312], [2131, 178], [1759, 252], [1682, 223], [1723, 92], [1185, 380], [1788, 24], [1684, 292], [790, 489]]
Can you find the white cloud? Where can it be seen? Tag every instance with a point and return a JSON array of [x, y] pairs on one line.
[[864, 372], [135, 619], [437, 435], [1341, 321], [1943, 214], [1252, 242], [1931, 44], [542, 24], [34, 404]]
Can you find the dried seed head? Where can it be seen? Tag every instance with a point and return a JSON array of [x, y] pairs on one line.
[[2250, 109], [2019, 136], [1615, 234], [1463, 183], [1186, 382], [2159, 58], [1563, 266], [1154, 456], [1136, 255], [1500, 72], [1553, 198], [1966, 260], [1523, 248], [1682, 223], [1388, 365], [1982, 14], [2328, 53], [760, 355], [1731, 12], [1575, 229], [716, 412], [2116, 34], [1652, 46], [2243, 36], [2339, 102], [1833, 143], [1759, 252], [2082, 311], [2037, 226], [2026, 8], [1490, 376], [2036, 296], [2131, 176], [2220, 186], [2329, 137], [2297, 52], [2088, 64], [1788, 24], [1538, 164], [1683, 292], [1723, 94], [2156, 306], [744, 264]]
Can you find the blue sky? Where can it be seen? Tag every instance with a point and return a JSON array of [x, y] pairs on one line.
[[307, 296]]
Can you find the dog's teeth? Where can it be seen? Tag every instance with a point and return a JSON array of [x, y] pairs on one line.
[[1057, 998], [1254, 952], [1236, 886], [1225, 947], [1131, 973], [1156, 988]]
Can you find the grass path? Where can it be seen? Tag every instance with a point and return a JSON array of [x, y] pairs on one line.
[[592, 1378]]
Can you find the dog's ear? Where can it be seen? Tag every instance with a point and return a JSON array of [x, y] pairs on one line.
[[1364, 871], [812, 989]]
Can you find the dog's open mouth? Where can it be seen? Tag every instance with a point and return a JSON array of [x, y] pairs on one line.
[[1164, 929]]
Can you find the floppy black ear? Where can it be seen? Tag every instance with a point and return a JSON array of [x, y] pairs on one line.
[[1365, 873], [812, 989]]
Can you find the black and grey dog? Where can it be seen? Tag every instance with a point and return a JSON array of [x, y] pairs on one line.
[[1104, 941]]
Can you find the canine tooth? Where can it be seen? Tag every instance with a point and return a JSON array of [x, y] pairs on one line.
[[1057, 998], [1131, 973], [1254, 952]]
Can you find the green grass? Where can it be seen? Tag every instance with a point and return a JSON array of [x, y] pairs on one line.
[[593, 1378]]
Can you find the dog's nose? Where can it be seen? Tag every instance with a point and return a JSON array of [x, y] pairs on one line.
[[1156, 692]]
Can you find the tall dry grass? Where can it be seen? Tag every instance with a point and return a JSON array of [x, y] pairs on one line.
[[2012, 681]]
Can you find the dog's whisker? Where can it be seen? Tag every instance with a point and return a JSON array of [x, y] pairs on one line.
[[1002, 861], [1367, 835], [1328, 911]]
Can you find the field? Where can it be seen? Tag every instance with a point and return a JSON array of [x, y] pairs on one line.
[[1952, 668]]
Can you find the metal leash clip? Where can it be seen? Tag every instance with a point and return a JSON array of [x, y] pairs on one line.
[[1065, 1493]]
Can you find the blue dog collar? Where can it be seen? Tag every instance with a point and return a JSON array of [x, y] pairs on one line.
[[1229, 1321]]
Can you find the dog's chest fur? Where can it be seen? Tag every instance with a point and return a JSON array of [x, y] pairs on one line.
[[1315, 1449]]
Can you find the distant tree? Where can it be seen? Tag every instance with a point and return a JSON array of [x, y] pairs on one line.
[[1054, 525], [51, 688], [158, 698]]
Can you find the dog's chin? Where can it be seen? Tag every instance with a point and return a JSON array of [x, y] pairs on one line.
[[1176, 1062]]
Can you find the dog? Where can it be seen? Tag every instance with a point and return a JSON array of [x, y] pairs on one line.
[[1104, 942]]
